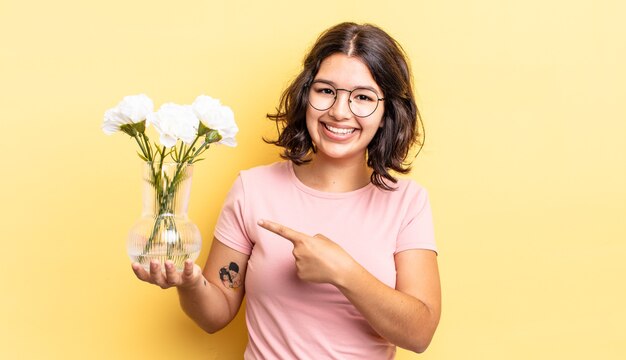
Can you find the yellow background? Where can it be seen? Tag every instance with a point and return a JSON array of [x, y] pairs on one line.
[[525, 161]]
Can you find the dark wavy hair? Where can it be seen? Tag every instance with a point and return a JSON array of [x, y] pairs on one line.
[[389, 66]]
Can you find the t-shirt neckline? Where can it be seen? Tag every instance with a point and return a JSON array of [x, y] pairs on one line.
[[323, 194]]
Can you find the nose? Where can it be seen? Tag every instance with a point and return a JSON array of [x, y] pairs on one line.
[[341, 108]]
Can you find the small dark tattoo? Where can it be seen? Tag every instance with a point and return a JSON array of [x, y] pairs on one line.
[[205, 282], [229, 275]]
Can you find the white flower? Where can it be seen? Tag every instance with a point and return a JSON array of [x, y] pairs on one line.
[[131, 110], [175, 122], [113, 120], [218, 117], [136, 107]]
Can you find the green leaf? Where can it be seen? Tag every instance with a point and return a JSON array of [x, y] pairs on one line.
[[141, 156]]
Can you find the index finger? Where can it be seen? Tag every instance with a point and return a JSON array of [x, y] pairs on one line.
[[283, 231]]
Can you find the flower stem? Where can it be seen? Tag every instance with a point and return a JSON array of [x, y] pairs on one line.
[[147, 146], [184, 159], [141, 147], [200, 150]]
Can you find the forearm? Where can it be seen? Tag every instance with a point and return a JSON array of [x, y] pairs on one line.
[[398, 317], [206, 305]]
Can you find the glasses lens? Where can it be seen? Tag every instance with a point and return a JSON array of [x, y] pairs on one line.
[[363, 102], [322, 96]]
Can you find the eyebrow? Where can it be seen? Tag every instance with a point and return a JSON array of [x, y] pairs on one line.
[[329, 82]]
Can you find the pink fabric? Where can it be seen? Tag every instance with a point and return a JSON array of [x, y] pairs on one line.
[[291, 319]]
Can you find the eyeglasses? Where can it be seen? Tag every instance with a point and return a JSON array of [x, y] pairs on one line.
[[361, 101]]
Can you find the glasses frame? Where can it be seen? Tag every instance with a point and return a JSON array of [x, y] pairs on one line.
[[310, 86]]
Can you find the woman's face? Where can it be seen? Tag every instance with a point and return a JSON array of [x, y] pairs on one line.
[[336, 132]]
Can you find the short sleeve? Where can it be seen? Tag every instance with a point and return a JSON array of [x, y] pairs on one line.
[[416, 231], [230, 228]]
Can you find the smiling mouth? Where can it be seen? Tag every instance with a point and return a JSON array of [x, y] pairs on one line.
[[339, 131]]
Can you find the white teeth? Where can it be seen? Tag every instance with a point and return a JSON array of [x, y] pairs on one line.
[[338, 130]]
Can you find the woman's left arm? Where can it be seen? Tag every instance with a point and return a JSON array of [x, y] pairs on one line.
[[406, 316]]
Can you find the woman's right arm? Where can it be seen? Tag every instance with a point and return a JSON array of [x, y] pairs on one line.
[[211, 302]]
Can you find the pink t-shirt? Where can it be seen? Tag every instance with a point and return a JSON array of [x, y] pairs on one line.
[[288, 318]]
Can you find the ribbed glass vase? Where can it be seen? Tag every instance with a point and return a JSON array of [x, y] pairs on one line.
[[164, 231]]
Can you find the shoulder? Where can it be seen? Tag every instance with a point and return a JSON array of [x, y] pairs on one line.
[[406, 190], [407, 197]]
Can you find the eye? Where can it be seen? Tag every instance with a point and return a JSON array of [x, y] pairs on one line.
[[364, 95], [323, 89]]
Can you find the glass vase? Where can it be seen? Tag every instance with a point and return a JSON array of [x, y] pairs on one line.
[[164, 231]]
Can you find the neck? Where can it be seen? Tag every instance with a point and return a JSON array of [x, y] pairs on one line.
[[332, 175]]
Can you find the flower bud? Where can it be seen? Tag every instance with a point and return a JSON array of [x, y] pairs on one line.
[[213, 136]]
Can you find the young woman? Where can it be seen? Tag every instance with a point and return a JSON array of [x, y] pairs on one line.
[[337, 257]]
